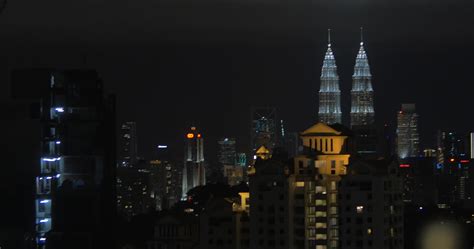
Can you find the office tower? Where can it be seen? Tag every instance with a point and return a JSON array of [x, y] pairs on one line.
[[75, 204], [313, 188], [194, 173], [128, 144], [227, 157], [264, 131], [166, 180], [134, 190], [454, 168], [226, 151], [362, 107], [329, 93], [133, 175], [371, 206], [408, 140], [362, 94]]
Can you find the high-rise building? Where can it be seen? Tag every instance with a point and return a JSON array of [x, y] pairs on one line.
[[75, 185], [329, 93], [295, 205], [226, 151], [265, 129], [371, 206], [128, 144], [408, 139], [166, 178], [133, 175], [134, 190], [313, 188], [362, 108], [194, 173]]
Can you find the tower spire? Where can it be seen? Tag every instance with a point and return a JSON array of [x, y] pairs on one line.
[[329, 37], [361, 36]]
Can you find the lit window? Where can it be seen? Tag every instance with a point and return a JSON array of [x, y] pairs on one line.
[[369, 231], [299, 184], [360, 209]]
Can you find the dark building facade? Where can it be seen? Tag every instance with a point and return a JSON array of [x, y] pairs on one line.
[[75, 205]]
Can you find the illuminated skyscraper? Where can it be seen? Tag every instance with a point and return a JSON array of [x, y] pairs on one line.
[[194, 173], [329, 93], [362, 110], [75, 185], [408, 139]]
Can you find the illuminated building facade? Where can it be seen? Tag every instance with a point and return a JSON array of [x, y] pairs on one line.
[[295, 205], [329, 93], [74, 201], [313, 188], [194, 173], [371, 206], [408, 139], [265, 129], [362, 94], [362, 107]]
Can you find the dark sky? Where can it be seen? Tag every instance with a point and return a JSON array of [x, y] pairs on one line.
[[174, 62]]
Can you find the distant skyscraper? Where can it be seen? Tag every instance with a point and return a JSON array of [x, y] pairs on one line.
[[227, 153], [194, 173], [128, 144], [362, 110], [329, 93], [166, 182], [408, 139], [74, 188], [265, 129]]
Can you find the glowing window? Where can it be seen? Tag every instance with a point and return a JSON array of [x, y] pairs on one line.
[[299, 184], [360, 209]]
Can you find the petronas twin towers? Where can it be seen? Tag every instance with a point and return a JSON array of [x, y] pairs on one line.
[[362, 104]]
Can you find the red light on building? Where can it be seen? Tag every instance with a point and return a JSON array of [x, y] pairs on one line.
[[404, 165], [199, 136], [464, 161]]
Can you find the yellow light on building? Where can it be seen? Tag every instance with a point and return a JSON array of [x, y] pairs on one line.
[[300, 184], [190, 135]]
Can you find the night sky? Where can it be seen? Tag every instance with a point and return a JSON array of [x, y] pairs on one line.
[[172, 63]]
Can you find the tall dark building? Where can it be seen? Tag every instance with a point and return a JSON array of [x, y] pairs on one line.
[[408, 139], [226, 151], [265, 129], [75, 184], [329, 93], [128, 144], [133, 175], [194, 172]]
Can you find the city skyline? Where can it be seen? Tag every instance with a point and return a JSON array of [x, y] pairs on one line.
[[137, 65], [236, 124]]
